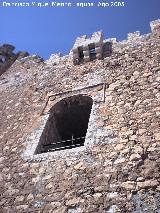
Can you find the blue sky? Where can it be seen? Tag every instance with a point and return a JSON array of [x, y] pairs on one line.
[[50, 30]]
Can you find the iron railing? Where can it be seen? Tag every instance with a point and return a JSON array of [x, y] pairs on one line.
[[75, 142]]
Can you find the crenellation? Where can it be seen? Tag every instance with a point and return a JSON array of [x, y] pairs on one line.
[[103, 47], [88, 47]]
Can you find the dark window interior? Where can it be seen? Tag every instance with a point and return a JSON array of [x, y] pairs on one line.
[[92, 51], [81, 55], [67, 124]]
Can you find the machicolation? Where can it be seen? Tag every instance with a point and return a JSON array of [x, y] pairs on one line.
[[88, 49]]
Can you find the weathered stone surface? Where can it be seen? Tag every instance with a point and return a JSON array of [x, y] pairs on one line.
[[135, 157], [22, 54], [157, 136], [118, 169], [8, 57], [147, 184], [129, 185]]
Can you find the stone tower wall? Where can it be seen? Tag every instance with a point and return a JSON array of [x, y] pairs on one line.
[[117, 170]]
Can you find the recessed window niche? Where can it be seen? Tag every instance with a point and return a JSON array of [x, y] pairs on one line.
[[67, 124], [92, 51]]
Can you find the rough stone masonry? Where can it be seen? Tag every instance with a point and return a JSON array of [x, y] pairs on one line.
[[117, 169]]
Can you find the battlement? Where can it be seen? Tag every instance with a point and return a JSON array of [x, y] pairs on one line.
[[87, 49]]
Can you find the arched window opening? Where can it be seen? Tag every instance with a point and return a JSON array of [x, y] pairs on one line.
[[67, 124]]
